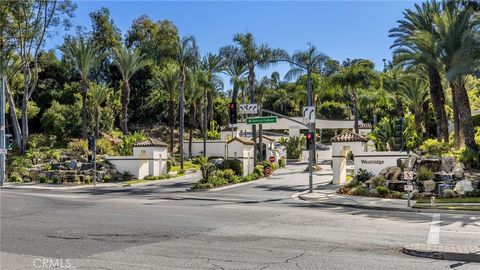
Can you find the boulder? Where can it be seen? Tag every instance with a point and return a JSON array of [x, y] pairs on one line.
[[411, 162], [383, 171], [72, 164], [396, 175], [463, 186], [446, 164], [458, 172], [429, 185]]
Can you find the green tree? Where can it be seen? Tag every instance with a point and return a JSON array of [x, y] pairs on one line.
[[411, 50], [236, 69], [414, 92], [98, 95], [128, 61]]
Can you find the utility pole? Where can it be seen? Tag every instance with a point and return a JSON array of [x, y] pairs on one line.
[[3, 149]]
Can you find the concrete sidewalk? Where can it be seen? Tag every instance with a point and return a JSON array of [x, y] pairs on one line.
[[327, 194]]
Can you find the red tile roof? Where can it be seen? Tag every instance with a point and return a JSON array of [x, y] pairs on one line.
[[349, 137], [241, 140], [365, 126], [150, 142]]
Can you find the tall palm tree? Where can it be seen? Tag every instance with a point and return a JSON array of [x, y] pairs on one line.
[[98, 95], [355, 74], [195, 84], [414, 92], [412, 51], [85, 55], [213, 64], [236, 70], [458, 39], [168, 82], [393, 81], [186, 58], [284, 101], [128, 61], [254, 55]]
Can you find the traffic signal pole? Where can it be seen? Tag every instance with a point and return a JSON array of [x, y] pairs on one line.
[[312, 130]]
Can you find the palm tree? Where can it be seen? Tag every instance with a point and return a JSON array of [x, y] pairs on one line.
[[412, 51], [187, 57], [414, 92], [212, 64], [236, 70], [284, 101], [98, 95], [393, 81], [459, 43], [85, 55], [355, 74], [196, 83], [128, 62], [253, 55], [168, 82]]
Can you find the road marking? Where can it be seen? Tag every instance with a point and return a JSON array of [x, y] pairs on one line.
[[434, 233]]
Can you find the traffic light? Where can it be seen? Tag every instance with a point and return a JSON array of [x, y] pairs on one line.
[[232, 107], [309, 139], [9, 142], [399, 134], [91, 143]]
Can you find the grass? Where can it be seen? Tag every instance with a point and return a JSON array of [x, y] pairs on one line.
[[187, 165], [452, 200], [131, 182]]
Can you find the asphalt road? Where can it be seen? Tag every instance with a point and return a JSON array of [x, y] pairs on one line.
[[255, 226]]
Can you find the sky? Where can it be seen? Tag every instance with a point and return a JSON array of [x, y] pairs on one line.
[[340, 29]]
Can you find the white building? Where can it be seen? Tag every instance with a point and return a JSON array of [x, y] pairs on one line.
[[241, 149], [149, 158]]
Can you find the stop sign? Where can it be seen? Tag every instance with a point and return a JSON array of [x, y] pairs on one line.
[[267, 170], [271, 159]]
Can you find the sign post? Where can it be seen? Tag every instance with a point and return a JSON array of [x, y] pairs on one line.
[[408, 175]]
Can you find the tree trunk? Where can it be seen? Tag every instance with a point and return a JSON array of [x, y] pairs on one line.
[[14, 118], [465, 115], [83, 92], [457, 127], [171, 116], [125, 101], [205, 123], [251, 82], [355, 109], [191, 125], [97, 129], [24, 141], [235, 92], [399, 106], [437, 96], [418, 121], [210, 107], [182, 117]]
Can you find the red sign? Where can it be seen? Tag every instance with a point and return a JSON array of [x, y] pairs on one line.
[[271, 159], [267, 170]]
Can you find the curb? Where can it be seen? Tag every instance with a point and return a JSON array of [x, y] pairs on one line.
[[382, 208], [444, 252], [228, 186]]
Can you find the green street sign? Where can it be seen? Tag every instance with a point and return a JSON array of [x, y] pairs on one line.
[[261, 120]]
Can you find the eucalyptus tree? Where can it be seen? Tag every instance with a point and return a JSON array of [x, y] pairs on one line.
[[412, 50], [98, 95], [459, 45], [128, 61], [186, 58], [414, 92], [355, 74], [253, 55], [85, 56]]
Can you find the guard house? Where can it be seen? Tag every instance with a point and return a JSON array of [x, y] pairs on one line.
[[355, 144], [241, 149], [149, 158]]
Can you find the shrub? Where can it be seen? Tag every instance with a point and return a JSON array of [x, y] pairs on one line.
[[169, 165], [181, 171], [382, 191], [294, 146], [343, 190], [251, 177], [33, 175], [433, 147], [448, 193], [78, 147], [475, 193], [258, 170], [281, 162], [352, 184], [233, 164], [43, 179], [105, 147], [378, 181], [469, 158], [199, 185], [127, 176], [15, 177], [87, 179], [363, 175], [359, 191], [56, 179], [107, 178], [395, 195], [217, 181], [76, 180], [228, 175], [424, 174], [125, 148]]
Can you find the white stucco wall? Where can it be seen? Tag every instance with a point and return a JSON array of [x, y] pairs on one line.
[[215, 148], [242, 152], [138, 168], [146, 160]]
